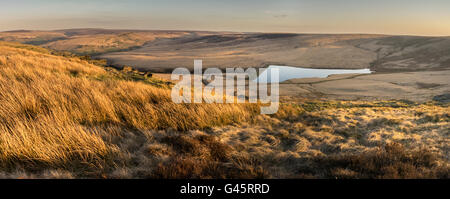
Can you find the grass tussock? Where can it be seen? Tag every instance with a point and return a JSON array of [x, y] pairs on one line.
[[391, 161], [204, 156]]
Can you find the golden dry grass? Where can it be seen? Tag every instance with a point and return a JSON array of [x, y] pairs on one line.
[[62, 117], [55, 110]]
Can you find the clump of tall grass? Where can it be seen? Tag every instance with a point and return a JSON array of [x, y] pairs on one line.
[[391, 161]]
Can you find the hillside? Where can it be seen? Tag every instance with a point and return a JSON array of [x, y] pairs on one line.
[[87, 41], [58, 112], [408, 53], [162, 51], [64, 117]]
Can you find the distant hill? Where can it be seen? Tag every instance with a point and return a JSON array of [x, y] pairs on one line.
[[162, 51]]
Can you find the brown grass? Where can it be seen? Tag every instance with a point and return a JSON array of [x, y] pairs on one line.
[[391, 161], [63, 117], [55, 110]]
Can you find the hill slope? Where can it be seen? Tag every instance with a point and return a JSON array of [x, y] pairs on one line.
[[87, 41], [64, 117], [58, 112], [162, 51]]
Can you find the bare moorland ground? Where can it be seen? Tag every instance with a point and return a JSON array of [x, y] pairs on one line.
[[406, 67], [64, 117], [88, 41], [419, 86], [162, 51]]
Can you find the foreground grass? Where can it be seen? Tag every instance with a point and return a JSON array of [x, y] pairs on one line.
[[55, 111], [312, 139], [63, 117]]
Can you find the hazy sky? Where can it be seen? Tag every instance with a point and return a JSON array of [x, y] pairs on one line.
[[416, 17]]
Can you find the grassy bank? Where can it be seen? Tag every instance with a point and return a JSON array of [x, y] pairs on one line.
[[54, 111], [64, 117]]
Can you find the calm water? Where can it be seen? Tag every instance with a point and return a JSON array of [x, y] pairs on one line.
[[287, 73]]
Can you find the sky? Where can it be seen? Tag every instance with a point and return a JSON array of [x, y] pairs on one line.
[[397, 17]]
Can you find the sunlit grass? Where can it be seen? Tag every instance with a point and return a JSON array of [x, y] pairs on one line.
[[64, 117], [51, 109]]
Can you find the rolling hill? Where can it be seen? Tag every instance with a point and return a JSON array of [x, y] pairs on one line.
[[65, 117], [162, 51]]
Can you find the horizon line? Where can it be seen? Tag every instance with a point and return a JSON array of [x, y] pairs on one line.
[[230, 31]]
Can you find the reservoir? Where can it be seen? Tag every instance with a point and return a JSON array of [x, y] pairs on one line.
[[287, 73]]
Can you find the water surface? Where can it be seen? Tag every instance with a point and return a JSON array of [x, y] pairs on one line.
[[287, 73]]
